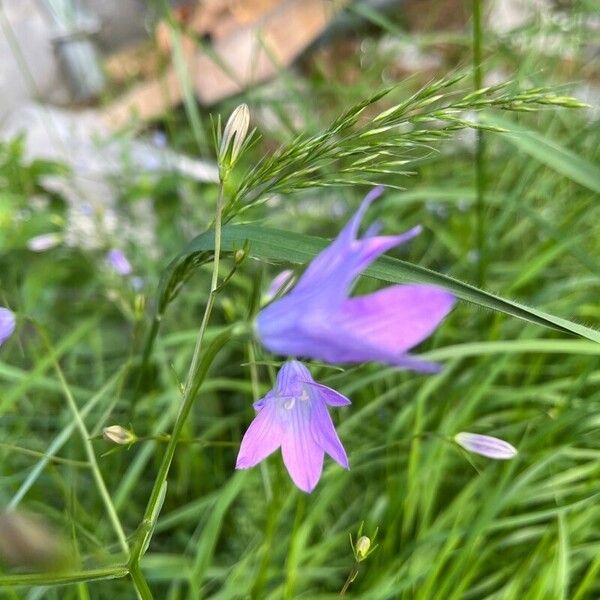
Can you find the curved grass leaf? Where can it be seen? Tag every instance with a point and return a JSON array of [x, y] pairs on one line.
[[277, 245], [548, 151]]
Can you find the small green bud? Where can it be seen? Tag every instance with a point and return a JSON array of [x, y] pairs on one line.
[[229, 309], [363, 545], [139, 306], [118, 435], [239, 256]]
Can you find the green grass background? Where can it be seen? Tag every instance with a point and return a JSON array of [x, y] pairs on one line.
[[451, 526]]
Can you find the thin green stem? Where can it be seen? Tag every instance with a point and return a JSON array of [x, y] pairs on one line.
[[139, 581], [91, 456], [59, 442], [213, 289], [479, 152], [46, 579], [196, 374], [54, 459], [255, 397], [163, 438], [351, 577]]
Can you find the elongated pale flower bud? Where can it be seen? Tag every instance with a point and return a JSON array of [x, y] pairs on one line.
[[486, 445], [234, 135], [46, 241], [118, 435]]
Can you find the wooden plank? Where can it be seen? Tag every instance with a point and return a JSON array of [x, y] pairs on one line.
[[249, 55]]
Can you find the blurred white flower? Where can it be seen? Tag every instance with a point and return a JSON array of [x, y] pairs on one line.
[[118, 261], [46, 241]]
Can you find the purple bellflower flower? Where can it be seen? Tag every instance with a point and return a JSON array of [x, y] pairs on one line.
[[7, 324], [118, 262], [318, 319], [486, 445], [294, 416]]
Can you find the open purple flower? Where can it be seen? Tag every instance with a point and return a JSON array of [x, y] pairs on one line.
[[7, 324], [294, 416], [318, 319]]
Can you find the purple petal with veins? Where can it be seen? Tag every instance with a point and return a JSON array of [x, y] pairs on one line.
[[294, 417], [318, 319]]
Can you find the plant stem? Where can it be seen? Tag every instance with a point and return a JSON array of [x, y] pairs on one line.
[[196, 374], [46, 579], [479, 152], [91, 456], [141, 585], [349, 580], [255, 397], [213, 289]]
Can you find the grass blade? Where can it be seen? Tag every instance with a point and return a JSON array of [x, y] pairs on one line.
[[272, 244]]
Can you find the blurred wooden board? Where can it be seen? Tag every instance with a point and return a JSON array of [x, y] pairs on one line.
[[263, 42]]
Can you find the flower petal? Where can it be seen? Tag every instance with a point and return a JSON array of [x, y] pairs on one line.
[[262, 438], [347, 256], [7, 324], [302, 456], [414, 363], [290, 377], [329, 395], [350, 231], [397, 318], [325, 435], [377, 327], [332, 272]]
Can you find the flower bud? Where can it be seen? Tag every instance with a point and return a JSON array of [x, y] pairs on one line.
[[118, 435], [486, 445], [363, 545], [234, 135], [139, 306], [239, 256]]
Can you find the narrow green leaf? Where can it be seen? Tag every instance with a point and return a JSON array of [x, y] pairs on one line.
[[548, 152], [272, 244], [47, 579]]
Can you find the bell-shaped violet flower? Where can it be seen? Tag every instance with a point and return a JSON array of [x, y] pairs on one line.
[[7, 324], [318, 319], [294, 417]]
